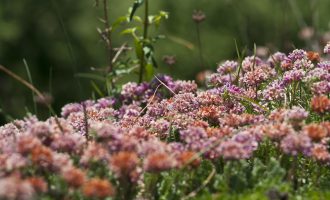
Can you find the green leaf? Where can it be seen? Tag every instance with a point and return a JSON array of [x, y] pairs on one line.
[[136, 5], [118, 21], [129, 31], [97, 89], [149, 72], [90, 76]]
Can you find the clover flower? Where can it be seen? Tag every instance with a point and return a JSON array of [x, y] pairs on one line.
[[321, 88], [297, 54], [303, 64], [251, 62], [184, 87], [276, 58], [316, 74], [217, 79], [324, 65], [293, 75], [183, 103], [274, 91], [294, 144], [296, 114], [227, 67], [232, 150], [71, 108]]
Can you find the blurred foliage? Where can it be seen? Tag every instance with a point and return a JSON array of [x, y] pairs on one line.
[[58, 39]]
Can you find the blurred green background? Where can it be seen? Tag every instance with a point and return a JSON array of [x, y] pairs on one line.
[[58, 39]]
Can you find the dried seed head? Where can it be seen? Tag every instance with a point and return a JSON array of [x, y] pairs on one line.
[[198, 16]]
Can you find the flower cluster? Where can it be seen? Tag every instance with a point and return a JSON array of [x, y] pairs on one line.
[[102, 147]]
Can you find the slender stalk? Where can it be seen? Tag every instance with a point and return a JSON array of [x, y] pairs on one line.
[[108, 35], [145, 36], [30, 80], [35, 90], [108, 41], [199, 45], [85, 120], [294, 173]]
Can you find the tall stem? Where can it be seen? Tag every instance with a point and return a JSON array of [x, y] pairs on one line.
[[145, 36], [109, 44], [199, 45], [108, 35]]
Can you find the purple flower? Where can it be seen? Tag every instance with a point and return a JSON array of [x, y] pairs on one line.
[[183, 103], [325, 65], [293, 75], [217, 79], [232, 150], [255, 77], [274, 91], [184, 87], [251, 62], [277, 57], [194, 137], [296, 114], [303, 64], [227, 67], [316, 74], [105, 102], [71, 108], [297, 54], [294, 144], [322, 87]]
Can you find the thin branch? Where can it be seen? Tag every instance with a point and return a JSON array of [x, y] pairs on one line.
[[120, 50], [165, 85], [151, 100]]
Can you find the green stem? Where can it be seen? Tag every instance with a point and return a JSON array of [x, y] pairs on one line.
[[109, 45], [294, 172], [199, 45], [145, 36]]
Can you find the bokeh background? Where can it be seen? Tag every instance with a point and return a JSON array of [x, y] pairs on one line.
[[58, 39]]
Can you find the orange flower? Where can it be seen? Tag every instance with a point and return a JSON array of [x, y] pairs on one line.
[[38, 184], [42, 155], [186, 158], [73, 176], [320, 153], [123, 163], [320, 104], [26, 144], [98, 188], [157, 162], [313, 56], [315, 131]]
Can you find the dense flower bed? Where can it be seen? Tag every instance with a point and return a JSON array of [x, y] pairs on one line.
[[260, 127]]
